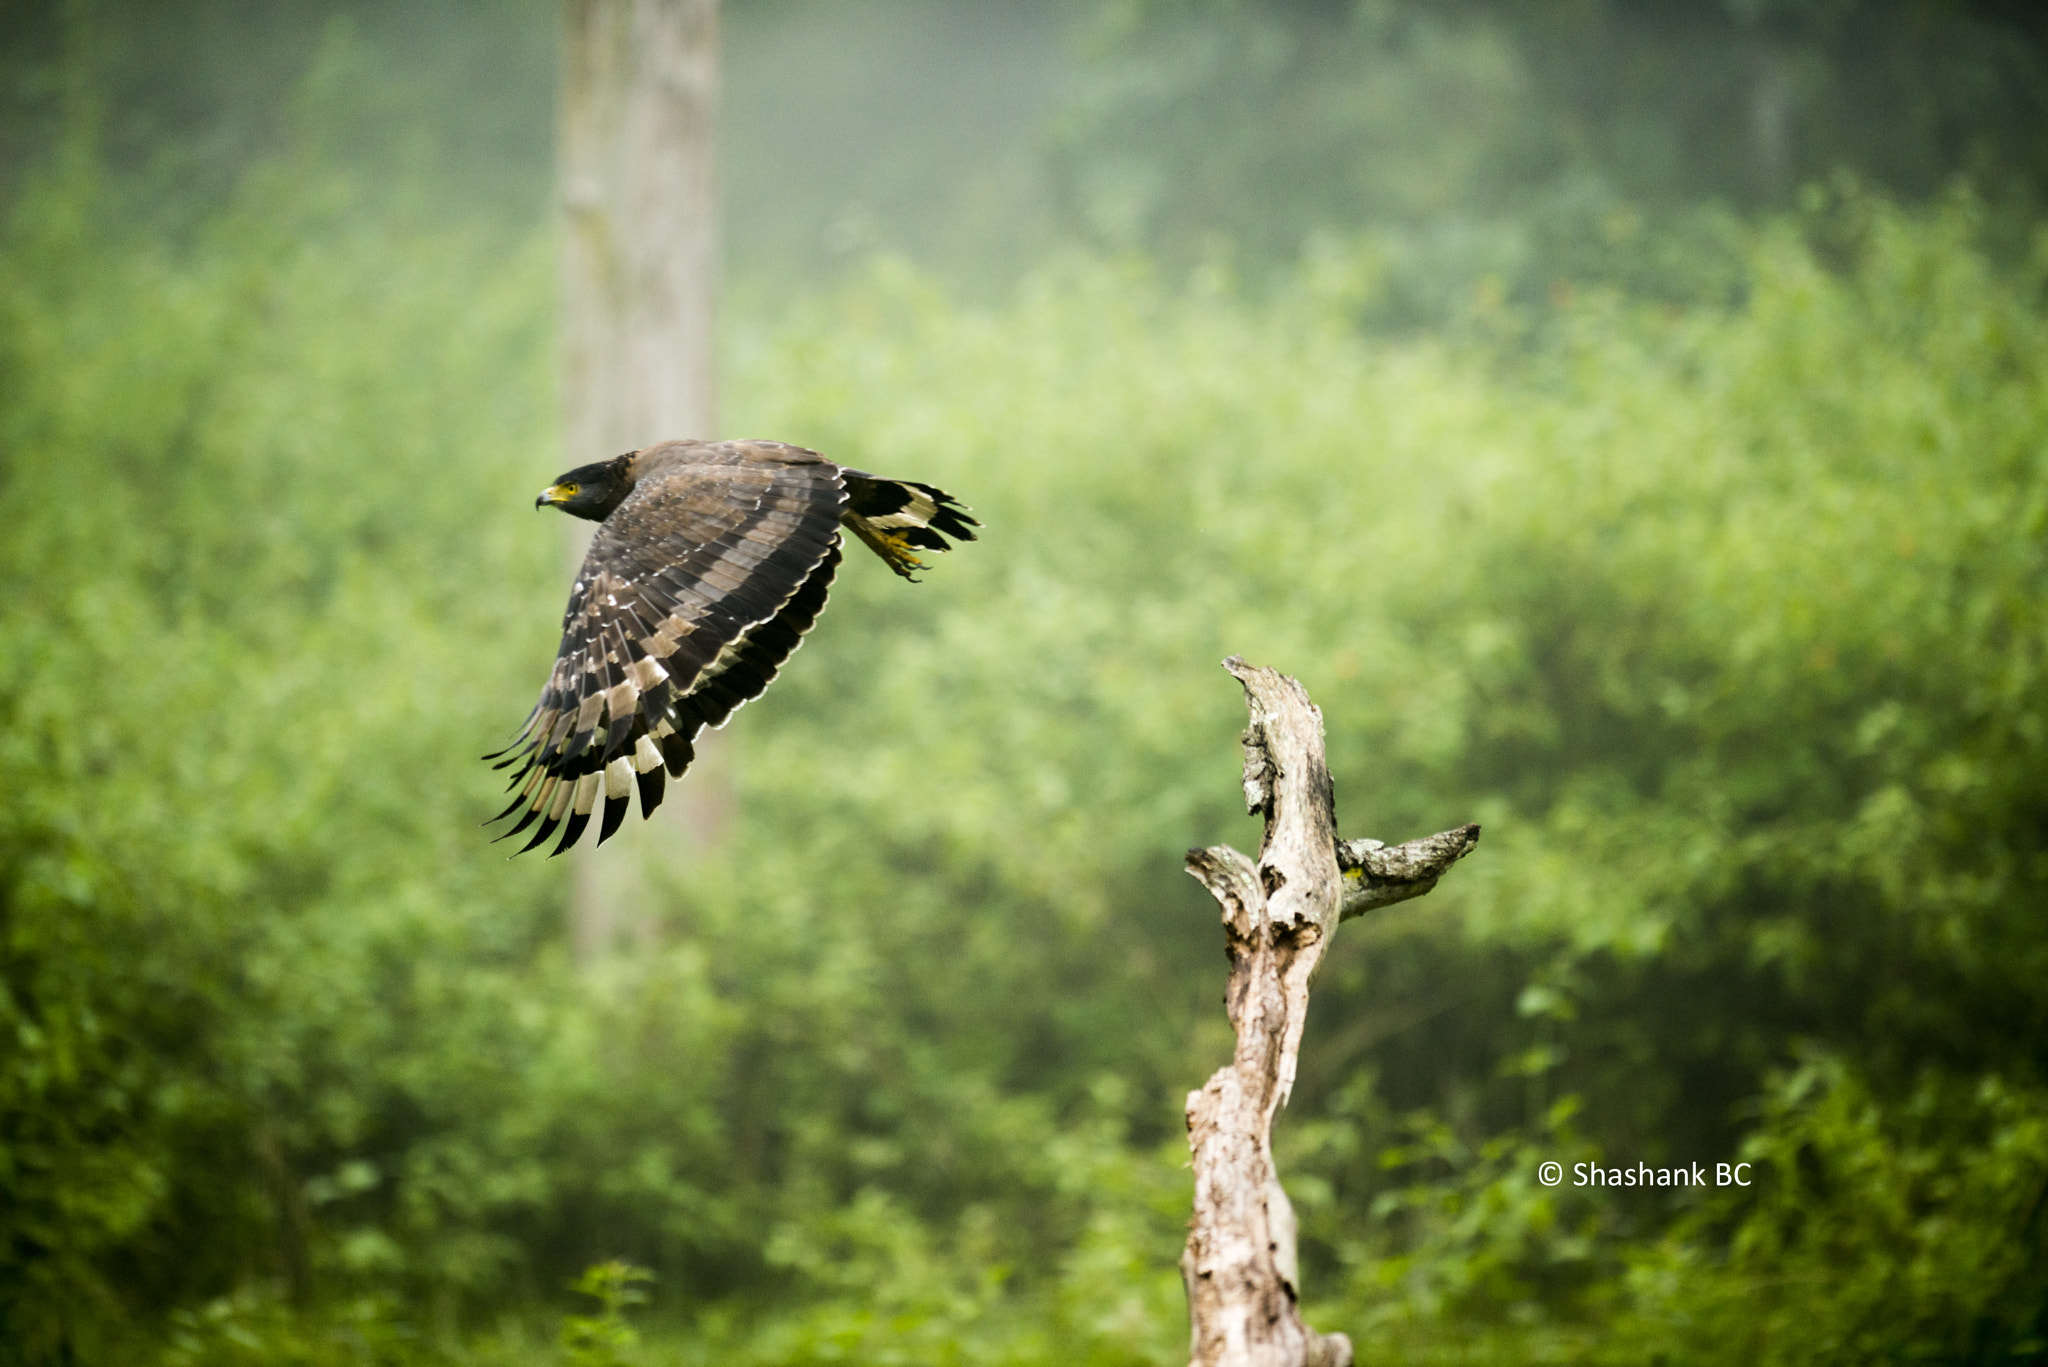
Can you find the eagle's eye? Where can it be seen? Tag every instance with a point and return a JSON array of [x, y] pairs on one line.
[[568, 490]]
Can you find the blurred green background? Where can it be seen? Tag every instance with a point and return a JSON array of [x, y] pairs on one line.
[[1629, 419]]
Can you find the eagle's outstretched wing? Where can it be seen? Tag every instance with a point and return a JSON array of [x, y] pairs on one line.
[[694, 592]]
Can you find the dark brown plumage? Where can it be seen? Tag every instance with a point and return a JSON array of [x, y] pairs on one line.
[[712, 562]]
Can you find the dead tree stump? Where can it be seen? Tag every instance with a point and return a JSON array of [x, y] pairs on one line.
[[1278, 915]]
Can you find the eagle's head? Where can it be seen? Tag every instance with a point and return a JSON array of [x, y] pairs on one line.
[[590, 491]]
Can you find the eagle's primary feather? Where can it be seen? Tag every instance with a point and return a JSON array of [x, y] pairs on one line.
[[712, 561]]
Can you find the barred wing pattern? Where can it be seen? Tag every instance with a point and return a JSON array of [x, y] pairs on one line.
[[694, 592]]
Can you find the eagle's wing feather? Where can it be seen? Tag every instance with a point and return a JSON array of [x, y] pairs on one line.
[[693, 593]]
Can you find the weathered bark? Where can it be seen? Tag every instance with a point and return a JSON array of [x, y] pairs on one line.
[[1242, 1279], [1377, 875], [639, 277]]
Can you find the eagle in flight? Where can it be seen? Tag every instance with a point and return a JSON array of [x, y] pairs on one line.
[[711, 562]]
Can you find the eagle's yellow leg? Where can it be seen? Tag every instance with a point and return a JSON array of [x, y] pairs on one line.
[[889, 545]]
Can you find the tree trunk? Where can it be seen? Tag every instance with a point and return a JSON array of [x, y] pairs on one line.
[[639, 272], [1243, 1282], [1773, 109]]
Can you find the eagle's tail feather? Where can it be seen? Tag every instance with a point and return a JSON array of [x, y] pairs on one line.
[[897, 518]]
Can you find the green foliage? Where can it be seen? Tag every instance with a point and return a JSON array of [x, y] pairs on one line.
[[1483, 134], [600, 1340], [1526, 150], [238, 595], [1874, 1232], [1726, 620], [252, 1328]]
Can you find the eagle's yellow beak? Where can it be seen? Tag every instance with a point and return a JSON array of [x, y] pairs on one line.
[[554, 493]]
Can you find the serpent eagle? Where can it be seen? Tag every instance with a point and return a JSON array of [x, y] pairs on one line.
[[711, 562]]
